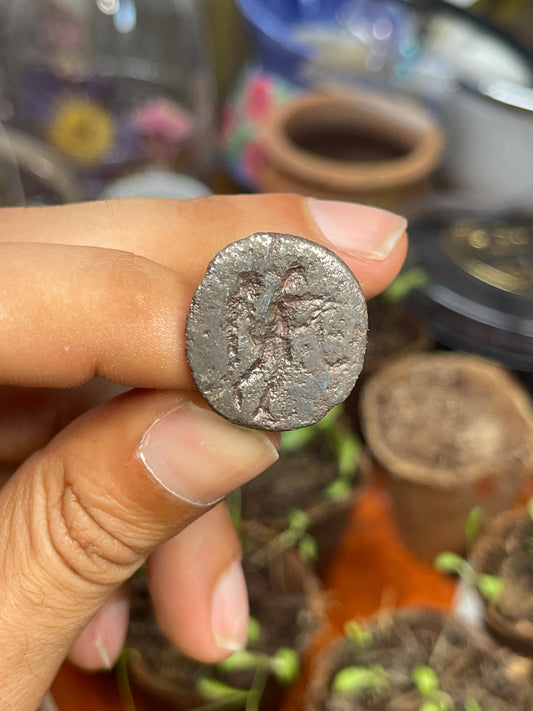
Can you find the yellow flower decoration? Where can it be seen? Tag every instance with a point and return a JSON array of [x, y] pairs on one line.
[[82, 129]]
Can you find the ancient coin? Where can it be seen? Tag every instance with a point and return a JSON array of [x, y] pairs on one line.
[[276, 332]]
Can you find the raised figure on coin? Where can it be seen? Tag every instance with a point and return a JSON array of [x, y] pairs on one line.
[[276, 333]]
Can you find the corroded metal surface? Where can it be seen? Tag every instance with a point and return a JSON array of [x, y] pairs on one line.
[[276, 332]]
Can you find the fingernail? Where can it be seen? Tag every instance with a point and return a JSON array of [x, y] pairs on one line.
[[358, 230], [229, 610], [197, 455], [110, 625], [102, 651]]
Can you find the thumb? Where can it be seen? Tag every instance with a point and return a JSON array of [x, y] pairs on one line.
[[81, 515]]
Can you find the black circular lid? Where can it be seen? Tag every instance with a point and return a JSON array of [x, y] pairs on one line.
[[479, 295]]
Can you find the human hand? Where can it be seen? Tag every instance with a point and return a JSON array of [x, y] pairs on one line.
[[102, 291]]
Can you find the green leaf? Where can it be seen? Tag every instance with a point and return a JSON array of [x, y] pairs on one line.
[[474, 524], [254, 629], [234, 504], [358, 634], [440, 702], [123, 677], [218, 691], [407, 281], [338, 490], [308, 549], [490, 586], [430, 705], [285, 665], [294, 440], [241, 660], [348, 454], [425, 679], [329, 421], [298, 521], [448, 562], [354, 680], [472, 705]]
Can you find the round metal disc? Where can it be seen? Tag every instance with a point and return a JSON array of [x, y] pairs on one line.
[[276, 332]]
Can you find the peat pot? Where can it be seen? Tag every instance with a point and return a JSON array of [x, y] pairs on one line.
[[506, 550], [452, 432], [467, 665], [285, 598]]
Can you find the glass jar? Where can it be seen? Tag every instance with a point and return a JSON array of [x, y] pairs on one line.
[[98, 91]]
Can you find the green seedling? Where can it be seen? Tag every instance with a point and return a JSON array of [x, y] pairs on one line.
[[295, 535], [283, 665], [123, 678], [234, 504], [374, 679], [359, 679], [473, 526], [345, 445], [220, 695], [359, 635], [294, 440], [489, 586], [254, 629], [406, 282], [427, 684]]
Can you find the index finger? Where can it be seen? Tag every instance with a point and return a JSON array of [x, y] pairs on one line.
[[186, 234], [75, 304]]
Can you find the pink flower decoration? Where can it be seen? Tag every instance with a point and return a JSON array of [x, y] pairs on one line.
[[162, 119], [260, 98], [252, 161]]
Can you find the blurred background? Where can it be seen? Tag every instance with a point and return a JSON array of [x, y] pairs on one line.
[[424, 107]]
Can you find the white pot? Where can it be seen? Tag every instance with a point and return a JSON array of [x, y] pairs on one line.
[[489, 145]]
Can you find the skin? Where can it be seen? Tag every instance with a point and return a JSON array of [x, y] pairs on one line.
[[94, 297]]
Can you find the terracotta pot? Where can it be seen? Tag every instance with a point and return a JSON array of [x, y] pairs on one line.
[[453, 432], [468, 665], [500, 551], [361, 146], [284, 596]]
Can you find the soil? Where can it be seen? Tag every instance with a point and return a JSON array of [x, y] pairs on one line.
[[392, 332], [504, 553], [468, 666], [280, 599], [442, 420], [296, 480]]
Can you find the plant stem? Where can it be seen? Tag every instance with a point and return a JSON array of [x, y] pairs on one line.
[[123, 682], [258, 687]]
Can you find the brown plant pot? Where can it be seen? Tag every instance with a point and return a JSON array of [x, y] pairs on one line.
[[284, 596], [500, 551], [467, 662], [298, 481], [359, 146], [453, 432]]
